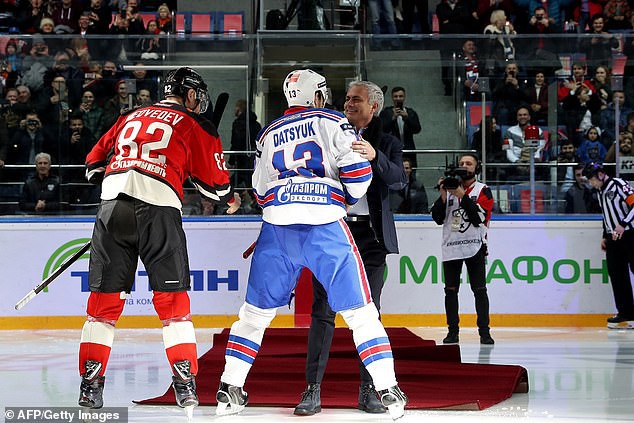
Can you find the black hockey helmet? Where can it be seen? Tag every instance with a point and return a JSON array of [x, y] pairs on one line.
[[179, 81], [592, 169]]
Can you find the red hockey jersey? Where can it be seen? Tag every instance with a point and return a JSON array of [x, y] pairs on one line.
[[150, 152]]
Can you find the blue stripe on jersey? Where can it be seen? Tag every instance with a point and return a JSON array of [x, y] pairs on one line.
[[356, 172], [296, 117], [350, 199]]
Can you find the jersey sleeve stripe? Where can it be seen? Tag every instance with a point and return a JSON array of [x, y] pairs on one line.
[[358, 172], [218, 194]]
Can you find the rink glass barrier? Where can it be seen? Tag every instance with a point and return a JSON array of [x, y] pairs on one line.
[[251, 65]]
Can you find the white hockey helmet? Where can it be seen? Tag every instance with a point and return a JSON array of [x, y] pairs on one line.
[[300, 87]]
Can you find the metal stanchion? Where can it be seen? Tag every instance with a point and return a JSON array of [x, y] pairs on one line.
[[532, 141]]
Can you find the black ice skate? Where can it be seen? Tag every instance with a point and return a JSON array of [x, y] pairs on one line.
[[394, 400], [231, 399], [184, 384], [91, 388]]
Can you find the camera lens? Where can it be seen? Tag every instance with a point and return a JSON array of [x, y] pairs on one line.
[[31, 122]]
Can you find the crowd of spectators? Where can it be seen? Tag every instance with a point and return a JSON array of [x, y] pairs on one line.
[[62, 89], [516, 53], [58, 80]]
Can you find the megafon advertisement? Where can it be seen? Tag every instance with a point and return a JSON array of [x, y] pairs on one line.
[[533, 267]]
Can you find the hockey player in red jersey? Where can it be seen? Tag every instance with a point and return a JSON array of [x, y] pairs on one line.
[[142, 163]]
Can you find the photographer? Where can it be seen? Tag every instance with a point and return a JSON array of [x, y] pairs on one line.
[[541, 50], [28, 140], [509, 94], [35, 64], [464, 209]]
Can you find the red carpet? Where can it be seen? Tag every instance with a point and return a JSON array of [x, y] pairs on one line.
[[432, 376]]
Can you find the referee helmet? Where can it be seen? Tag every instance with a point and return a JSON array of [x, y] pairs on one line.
[[592, 169]]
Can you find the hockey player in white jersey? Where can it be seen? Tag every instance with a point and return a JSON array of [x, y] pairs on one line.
[[306, 174]]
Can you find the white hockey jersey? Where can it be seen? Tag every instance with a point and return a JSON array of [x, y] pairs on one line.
[[305, 169]]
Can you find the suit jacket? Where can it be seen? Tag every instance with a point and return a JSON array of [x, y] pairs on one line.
[[387, 173]]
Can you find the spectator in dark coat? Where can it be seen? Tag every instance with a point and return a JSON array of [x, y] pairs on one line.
[[40, 193]]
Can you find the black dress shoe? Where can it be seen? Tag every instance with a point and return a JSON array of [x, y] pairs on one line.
[[486, 340], [451, 338], [311, 401], [369, 400]]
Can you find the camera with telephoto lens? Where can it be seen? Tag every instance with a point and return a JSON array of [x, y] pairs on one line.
[[453, 176]]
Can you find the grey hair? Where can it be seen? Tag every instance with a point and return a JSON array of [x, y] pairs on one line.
[[43, 155], [375, 94]]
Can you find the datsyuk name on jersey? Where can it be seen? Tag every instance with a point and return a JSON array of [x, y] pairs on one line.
[[303, 130]]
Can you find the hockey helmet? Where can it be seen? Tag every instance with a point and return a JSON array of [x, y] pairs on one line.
[[300, 87], [592, 169], [179, 81]]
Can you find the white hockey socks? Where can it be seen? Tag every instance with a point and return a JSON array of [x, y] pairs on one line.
[[372, 344], [244, 343]]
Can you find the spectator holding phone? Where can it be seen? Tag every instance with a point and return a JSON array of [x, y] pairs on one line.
[[402, 122], [92, 114]]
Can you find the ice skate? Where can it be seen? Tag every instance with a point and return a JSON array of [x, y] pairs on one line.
[[184, 384], [91, 387], [231, 399], [394, 400]]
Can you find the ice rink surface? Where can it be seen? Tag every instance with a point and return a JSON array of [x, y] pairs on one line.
[[575, 375]]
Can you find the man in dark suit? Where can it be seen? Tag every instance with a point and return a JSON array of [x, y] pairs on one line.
[[372, 226]]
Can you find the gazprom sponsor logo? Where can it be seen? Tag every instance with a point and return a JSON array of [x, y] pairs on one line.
[[303, 192]]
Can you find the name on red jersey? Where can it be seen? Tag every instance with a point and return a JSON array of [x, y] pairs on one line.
[[164, 115]]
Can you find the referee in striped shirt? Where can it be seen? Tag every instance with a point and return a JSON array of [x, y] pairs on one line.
[[616, 198]]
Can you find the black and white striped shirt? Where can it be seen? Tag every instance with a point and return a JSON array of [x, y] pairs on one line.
[[617, 204]]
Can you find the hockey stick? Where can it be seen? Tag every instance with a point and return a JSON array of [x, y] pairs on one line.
[[46, 282], [219, 108], [249, 250]]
